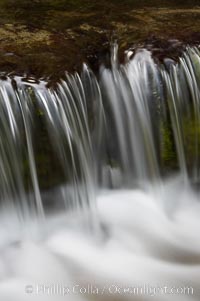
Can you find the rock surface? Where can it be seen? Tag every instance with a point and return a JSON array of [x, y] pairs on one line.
[[44, 38]]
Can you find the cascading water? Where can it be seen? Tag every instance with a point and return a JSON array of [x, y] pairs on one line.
[[125, 146], [146, 100], [66, 120]]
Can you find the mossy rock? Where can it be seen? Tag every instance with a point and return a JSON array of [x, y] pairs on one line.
[[44, 38]]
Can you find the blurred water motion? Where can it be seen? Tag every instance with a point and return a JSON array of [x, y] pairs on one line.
[[148, 248], [114, 227]]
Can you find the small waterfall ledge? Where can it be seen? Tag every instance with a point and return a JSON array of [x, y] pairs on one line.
[[99, 182]]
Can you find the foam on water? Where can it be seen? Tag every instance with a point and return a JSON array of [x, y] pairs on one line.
[[146, 241], [124, 232]]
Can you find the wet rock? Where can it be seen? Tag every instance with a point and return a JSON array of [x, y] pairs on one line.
[[60, 35], [168, 63]]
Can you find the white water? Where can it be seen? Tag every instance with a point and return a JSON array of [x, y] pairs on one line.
[[110, 132], [147, 241]]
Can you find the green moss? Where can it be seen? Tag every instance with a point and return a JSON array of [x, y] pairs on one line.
[[191, 129], [168, 150]]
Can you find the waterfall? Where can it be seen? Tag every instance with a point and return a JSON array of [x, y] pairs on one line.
[[146, 102], [113, 130], [97, 178]]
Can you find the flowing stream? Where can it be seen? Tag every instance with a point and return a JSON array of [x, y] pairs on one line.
[[124, 222]]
